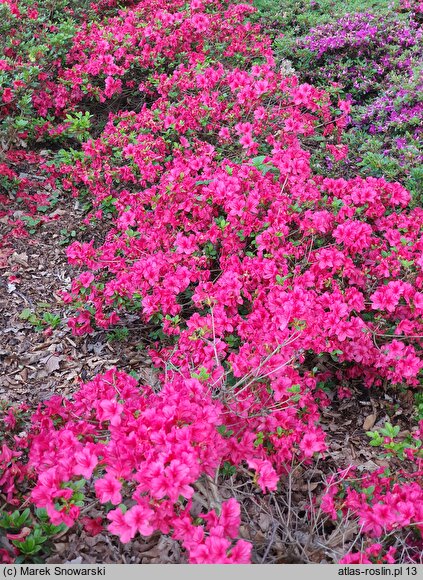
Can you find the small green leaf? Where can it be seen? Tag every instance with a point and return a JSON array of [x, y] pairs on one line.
[[25, 314]]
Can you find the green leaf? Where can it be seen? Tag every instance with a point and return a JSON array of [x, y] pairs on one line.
[[25, 314], [369, 490], [281, 279], [258, 161]]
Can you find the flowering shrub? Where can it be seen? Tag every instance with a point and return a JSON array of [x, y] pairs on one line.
[[375, 60], [36, 109], [261, 281], [33, 43], [295, 18], [393, 122], [361, 50], [141, 447], [382, 502]]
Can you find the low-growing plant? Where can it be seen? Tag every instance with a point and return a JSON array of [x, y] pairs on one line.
[[32, 535], [118, 334], [387, 438], [373, 59], [260, 278], [40, 320]]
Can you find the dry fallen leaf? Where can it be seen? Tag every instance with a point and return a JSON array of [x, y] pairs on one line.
[[308, 486], [52, 363], [369, 421], [21, 259], [265, 521], [342, 533]]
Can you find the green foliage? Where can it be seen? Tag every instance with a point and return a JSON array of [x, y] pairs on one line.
[[31, 223], [259, 164], [35, 534], [40, 320], [67, 236], [118, 334], [227, 470], [388, 439], [202, 375], [79, 125], [224, 431], [14, 521], [419, 405]]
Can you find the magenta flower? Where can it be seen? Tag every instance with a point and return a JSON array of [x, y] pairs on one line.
[[108, 489]]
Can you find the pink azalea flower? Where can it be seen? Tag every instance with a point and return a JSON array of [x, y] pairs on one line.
[[119, 526], [138, 518], [86, 462], [110, 410], [108, 489]]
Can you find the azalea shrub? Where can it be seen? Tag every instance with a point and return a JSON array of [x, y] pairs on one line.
[[385, 504], [37, 110], [294, 18], [266, 288], [243, 230], [373, 60], [34, 39], [145, 451]]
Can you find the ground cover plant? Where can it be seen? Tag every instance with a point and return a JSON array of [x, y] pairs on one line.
[[267, 290], [372, 56]]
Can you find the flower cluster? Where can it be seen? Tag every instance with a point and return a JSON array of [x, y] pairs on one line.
[[261, 281], [372, 555], [360, 51], [381, 502], [374, 59], [144, 451]]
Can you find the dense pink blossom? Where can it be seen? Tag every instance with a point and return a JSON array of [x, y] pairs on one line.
[[261, 282]]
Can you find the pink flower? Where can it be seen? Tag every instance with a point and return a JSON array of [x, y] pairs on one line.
[[345, 106], [81, 324], [86, 462], [212, 551], [86, 278], [7, 95], [406, 512], [110, 410], [248, 142], [354, 235], [65, 515], [119, 526], [327, 505], [267, 476], [138, 519], [186, 244], [312, 443], [355, 558], [224, 134], [112, 86], [230, 517], [108, 489], [5, 557], [241, 553], [338, 151], [386, 298], [200, 22], [375, 519]]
